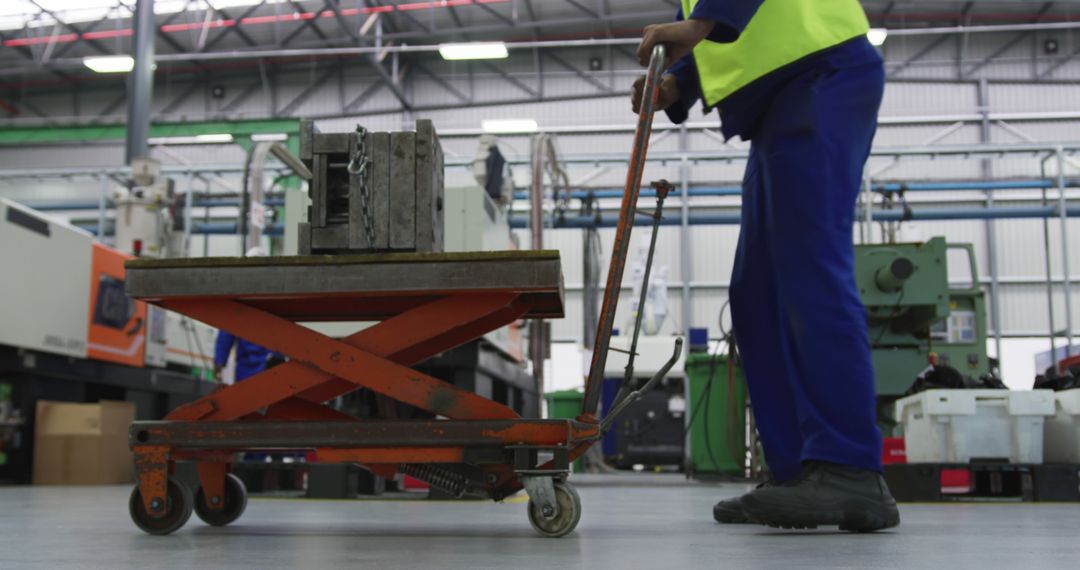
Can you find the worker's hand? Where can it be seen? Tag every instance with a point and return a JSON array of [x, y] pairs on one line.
[[679, 37], [669, 93], [217, 372]]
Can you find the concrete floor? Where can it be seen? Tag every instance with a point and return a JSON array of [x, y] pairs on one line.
[[644, 521]]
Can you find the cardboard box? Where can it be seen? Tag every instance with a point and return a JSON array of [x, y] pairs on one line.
[[82, 444]]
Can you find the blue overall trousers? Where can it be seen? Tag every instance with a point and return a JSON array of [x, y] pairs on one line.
[[799, 322]]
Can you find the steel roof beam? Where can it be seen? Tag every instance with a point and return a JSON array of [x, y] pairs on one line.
[[236, 29]]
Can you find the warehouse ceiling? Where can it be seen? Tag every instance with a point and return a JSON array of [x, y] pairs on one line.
[[43, 42], [53, 34]]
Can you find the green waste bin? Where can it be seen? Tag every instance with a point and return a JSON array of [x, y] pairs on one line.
[[716, 444], [566, 405]]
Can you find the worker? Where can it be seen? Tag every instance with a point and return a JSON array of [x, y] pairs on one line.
[[251, 358], [801, 82]]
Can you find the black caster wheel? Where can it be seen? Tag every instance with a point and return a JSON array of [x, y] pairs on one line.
[[178, 505], [235, 502], [569, 513]]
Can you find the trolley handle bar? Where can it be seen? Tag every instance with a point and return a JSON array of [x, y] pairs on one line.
[[621, 245], [632, 397]]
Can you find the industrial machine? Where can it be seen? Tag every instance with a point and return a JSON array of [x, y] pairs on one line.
[[916, 316], [69, 298], [424, 303], [71, 333], [147, 224]]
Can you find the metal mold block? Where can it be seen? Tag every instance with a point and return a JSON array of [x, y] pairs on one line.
[[403, 191], [395, 205]]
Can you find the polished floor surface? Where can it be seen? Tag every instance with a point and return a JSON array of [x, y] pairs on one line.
[[648, 521]]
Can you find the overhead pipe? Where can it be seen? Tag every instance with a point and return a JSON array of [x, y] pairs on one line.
[[609, 193], [93, 205], [890, 187], [733, 217], [964, 150], [198, 228], [711, 219]]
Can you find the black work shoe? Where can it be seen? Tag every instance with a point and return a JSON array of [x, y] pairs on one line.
[[826, 494], [730, 511]]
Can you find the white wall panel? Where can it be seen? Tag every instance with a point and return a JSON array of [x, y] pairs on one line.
[[1021, 97], [908, 99]]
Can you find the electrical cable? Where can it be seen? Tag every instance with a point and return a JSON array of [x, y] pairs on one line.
[[705, 398]]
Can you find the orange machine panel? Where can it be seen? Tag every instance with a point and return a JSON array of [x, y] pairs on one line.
[[117, 322]]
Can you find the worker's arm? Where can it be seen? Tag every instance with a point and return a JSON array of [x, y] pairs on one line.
[[716, 20], [679, 91], [679, 88], [222, 347], [687, 89]]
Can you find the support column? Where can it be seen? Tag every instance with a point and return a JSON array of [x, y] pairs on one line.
[[140, 86], [1063, 212], [684, 231], [189, 203], [991, 228]]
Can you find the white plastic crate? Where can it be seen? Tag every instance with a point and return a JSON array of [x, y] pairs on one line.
[[958, 426], [1061, 441]]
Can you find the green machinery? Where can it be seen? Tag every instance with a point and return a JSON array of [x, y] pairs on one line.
[[914, 312]]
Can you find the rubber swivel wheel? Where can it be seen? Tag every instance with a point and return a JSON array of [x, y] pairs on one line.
[[178, 504], [235, 501], [569, 513]]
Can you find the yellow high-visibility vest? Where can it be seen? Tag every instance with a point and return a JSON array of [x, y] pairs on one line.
[[781, 32]]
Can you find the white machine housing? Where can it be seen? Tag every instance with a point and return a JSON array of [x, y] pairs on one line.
[[474, 222], [44, 296]]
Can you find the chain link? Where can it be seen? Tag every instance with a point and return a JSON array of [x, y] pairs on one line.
[[358, 167]]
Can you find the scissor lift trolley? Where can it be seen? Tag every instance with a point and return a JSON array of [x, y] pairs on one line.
[[422, 304]]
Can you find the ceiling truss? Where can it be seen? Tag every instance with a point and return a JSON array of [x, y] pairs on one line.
[[37, 64]]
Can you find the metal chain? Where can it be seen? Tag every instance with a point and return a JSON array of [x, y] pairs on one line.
[[358, 167]]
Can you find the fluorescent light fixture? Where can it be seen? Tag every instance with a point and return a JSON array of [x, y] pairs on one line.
[[110, 63], [506, 126], [877, 36], [221, 138], [269, 137], [474, 50]]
